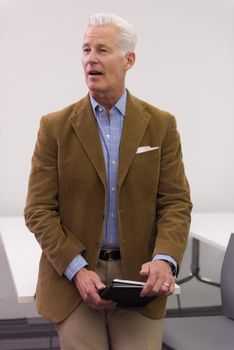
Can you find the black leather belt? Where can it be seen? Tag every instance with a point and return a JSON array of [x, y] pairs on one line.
[[109, 254]]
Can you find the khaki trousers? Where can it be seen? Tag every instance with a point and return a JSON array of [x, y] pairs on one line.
[[115, 329]]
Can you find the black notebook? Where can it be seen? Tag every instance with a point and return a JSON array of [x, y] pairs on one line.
[[126, 293]]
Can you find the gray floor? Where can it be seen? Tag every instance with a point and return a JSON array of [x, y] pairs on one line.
[[27, 334], [38, 334]]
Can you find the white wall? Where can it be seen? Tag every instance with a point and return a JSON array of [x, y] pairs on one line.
[[185, 58]]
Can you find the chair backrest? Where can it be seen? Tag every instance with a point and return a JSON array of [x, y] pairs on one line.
[[227, 280]]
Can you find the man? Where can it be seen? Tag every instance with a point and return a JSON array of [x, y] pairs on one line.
[[108, 198]]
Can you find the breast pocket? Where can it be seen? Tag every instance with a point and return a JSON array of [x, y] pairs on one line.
[[147, 156], [144, 171]]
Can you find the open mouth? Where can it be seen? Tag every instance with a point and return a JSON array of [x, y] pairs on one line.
[[94, 73]]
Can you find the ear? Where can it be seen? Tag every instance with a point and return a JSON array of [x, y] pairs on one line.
[[130, 58]]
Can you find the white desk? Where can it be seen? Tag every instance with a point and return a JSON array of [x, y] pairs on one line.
[[23, 252], [214, 229]]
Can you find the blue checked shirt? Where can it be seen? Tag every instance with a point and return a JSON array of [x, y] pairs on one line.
[[110, 130]]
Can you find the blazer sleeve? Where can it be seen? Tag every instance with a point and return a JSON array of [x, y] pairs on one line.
[[173, 198], [42, 205]]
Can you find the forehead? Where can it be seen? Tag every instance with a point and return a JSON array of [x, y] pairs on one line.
[[103, 34]]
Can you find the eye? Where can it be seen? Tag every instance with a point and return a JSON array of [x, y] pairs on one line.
[[86, 50], [103, 50]]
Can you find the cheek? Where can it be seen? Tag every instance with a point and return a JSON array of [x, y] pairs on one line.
[[83, 62], [119, 73], [115, 69], [119, 68]]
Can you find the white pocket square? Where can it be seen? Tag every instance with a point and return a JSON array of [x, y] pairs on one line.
[[145, 149]]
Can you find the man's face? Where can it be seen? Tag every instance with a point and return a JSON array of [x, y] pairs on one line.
[[103, 63]]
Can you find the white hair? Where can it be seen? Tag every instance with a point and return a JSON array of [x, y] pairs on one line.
[[127, 36]]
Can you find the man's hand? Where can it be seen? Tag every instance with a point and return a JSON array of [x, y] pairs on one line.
[[88, 283], [160, 280]]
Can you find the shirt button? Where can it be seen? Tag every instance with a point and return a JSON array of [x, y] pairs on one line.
[[113, 162], [112, 188], [99, 109], [108, 136]]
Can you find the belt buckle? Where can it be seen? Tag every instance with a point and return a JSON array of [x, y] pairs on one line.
[[107, 255]]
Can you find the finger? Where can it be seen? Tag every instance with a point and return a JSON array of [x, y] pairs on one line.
[[88, 281], [144, 270], [149, 285], [164, 290], [163, 285], [88, 285], [167, 288], [97, 303], [171, 288], [152, 285], [98, 283]]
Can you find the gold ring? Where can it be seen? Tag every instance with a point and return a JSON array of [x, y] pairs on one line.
[[166, 284]]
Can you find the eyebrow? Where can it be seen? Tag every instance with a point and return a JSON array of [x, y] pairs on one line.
[[98, 45]]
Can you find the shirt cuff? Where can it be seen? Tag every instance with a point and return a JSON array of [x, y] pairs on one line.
[[169, 259], [75, 265]]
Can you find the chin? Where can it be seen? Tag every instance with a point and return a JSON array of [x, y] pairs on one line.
[[93, 86], [96, 89]]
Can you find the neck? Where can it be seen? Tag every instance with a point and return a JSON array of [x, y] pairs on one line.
[[107, 100]]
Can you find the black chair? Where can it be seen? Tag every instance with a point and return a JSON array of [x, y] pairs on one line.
[[207, 332]]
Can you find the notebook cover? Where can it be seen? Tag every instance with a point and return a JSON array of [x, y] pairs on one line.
[[126, 294]]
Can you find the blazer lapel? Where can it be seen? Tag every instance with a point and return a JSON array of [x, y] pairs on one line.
[[135, 124], [85, 126]]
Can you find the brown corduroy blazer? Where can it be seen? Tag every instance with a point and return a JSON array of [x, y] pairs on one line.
[[67, 198]]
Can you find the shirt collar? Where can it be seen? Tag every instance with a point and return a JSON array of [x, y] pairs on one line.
[[120, 104]]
